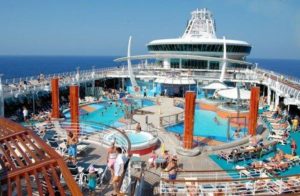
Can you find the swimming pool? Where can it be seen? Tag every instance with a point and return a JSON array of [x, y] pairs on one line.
[[205, 126], [109, 112]]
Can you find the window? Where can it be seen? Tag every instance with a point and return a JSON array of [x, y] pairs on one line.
[[174, 63], [214, 65], [199, 48], [194, 64]]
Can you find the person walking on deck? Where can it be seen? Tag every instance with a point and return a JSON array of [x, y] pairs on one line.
[[111, 158], [72, 141], [293, 147], [118, 171], [295, 123]]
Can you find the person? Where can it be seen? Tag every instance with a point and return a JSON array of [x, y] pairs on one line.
[[118, 171], [166, 157], [72, 141], [145, 92], [216, 120], [165, 92], [111, 157], [295, 123], [25, 114], [92, 182], [151, 160], [172, 168], [138, 128], [236, 134], [293, 147]]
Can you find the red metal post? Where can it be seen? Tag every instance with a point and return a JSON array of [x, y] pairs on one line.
[[74, 108], [253, 113], [55, 98], [189, 119]]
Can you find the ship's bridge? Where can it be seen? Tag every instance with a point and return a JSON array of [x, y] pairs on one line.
[[199, 38], [203, 47]]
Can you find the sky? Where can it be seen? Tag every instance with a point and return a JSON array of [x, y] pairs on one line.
[[102, 27]]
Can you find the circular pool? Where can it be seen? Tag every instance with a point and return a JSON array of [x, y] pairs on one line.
[[141, 142]]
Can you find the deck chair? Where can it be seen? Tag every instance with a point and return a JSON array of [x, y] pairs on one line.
[[192, 187]]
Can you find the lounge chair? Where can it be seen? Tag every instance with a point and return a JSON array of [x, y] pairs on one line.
[[82, 147]]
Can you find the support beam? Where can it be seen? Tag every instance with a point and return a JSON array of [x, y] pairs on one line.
[[253, 113], [189, 119], [269, 95], [223, 71], [276, 100], [74, 108], [55, 97]]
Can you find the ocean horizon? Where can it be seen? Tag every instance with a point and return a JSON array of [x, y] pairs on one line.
[[25, 66]]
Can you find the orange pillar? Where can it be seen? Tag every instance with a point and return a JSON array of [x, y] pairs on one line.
[[55, 98], [253, 113], [189, 119], [74, 108]]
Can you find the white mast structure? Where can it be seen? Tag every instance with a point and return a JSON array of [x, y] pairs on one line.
[[131, 75], [224, 60], [202, 25]]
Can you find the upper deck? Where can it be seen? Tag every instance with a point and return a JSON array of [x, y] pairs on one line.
[[285, 86]]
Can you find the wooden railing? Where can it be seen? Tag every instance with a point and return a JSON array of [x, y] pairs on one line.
[[28, 160]]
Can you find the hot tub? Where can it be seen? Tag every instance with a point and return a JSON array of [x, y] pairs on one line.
[[141, 142]]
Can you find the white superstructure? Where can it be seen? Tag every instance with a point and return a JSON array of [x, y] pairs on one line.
[[199, 38]]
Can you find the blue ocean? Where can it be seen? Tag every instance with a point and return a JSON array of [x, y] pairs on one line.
[[22, 66]]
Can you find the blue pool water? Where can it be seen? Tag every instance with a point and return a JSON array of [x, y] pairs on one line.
[[285, 148], [205, 126], [109, 113], [137, 138]]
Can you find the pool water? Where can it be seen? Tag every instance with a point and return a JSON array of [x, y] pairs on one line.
[[137, 138], [205, 126], [109, 112], [285, 148]]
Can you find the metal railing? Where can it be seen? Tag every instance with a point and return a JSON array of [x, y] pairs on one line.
[[171, 119], [211, 182]]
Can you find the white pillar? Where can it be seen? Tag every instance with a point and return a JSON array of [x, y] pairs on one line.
[[180, 63], [276, 100], [223, 70], [167, 63], [269, 96]]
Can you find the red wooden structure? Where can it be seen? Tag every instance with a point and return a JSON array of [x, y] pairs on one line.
[[55, 98], [74, 108], [29, 166], [189, 119], [253, 113]]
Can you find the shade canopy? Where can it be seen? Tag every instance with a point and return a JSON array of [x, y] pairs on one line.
[[232, 93], [215, 86], [176, 81]]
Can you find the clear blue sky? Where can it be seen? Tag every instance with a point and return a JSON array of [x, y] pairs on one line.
[[102, 27]]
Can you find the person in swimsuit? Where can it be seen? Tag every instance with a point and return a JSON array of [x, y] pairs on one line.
[[72, 141], [172, 168], [111, 157]]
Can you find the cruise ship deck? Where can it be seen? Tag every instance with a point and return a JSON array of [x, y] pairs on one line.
[[194, 117]]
